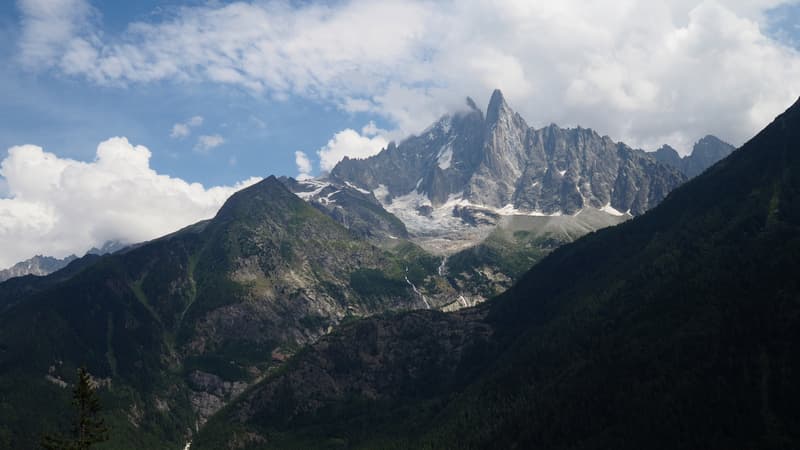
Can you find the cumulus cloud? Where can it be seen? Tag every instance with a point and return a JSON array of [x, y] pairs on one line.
[[303, 165], [206, 143], [644, 71], [183, 129], [350, 143], [59, 206]]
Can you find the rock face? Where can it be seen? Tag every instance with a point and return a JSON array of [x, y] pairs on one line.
[[356, 209], [705, 153], [44, 265], [38, 265], [498, 161]]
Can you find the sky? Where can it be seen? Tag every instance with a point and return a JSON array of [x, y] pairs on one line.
[[128, 120]]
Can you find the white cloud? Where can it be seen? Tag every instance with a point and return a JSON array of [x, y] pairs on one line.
[[370, 129], [49, 27], [350, 143], [61, 206], [180, 130], [639, 70], [184, 129], [303, 165], [206, 143]]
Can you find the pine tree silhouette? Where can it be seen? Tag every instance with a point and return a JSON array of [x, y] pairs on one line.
[[89, 428]]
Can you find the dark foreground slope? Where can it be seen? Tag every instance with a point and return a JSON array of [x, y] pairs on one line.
[[678, 329]]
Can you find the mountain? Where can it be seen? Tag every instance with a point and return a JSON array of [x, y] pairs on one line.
[[492, 195], [43, 265], [175, 328], [705, 153], [107, 247], [38, 265], [498, 162], [356, 209], [488, 193], [676, 329]]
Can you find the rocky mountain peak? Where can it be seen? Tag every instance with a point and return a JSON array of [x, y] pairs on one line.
[[710, 146], [267, 197], [498, 163], [705, 153], [668, 155], [497, 108]]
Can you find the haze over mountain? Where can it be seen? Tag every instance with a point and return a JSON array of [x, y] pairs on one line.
[[677, 329]]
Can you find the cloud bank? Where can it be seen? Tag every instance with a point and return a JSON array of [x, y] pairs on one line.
[[61, 206], [647, 72]]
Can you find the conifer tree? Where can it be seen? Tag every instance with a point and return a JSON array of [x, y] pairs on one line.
[[88, 428]]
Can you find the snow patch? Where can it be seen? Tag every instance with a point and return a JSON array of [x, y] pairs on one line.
[[562, 172], [445, 156], [363, 191], [441, 219], [611, 210], [327, 199], [315, 187], [510, 210]]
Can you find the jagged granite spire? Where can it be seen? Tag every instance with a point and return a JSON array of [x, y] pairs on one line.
[[497, 107], [498, 160], [504, 155]]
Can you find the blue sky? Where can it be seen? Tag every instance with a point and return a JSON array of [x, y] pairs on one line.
[[70, 116], [329, 79]]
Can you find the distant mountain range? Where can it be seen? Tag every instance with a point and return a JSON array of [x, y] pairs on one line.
[[44, 265], [38, 265]]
